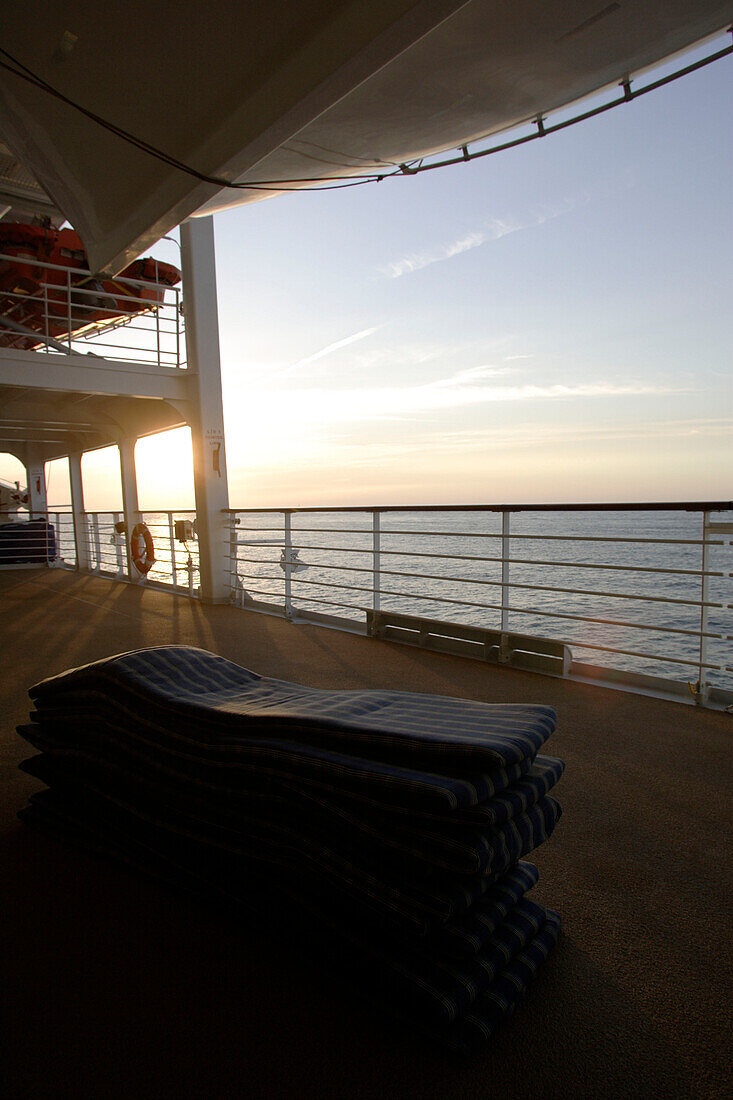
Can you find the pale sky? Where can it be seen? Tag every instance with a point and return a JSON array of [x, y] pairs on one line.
[[548, 324]]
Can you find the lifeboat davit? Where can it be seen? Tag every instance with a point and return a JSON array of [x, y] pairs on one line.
[[39, 264]]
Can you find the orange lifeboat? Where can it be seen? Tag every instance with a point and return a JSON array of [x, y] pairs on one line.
[[45, 284]]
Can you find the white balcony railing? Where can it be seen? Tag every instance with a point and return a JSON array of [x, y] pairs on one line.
[[637, 595], [135, 320], [105, 545], [640, 594]]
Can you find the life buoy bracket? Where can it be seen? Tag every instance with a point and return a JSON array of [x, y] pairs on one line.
[[142, 548]]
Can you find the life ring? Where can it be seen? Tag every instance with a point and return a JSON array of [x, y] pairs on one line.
[[142, 548]]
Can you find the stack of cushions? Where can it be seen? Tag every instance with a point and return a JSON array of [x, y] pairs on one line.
[[384, 830]]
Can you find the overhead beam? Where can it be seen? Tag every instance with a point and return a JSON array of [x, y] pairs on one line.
[[12, 424], [61, 423], [33, 201]]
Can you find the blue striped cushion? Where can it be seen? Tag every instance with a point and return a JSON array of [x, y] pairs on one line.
[[461, 1003], [394, 893], [468, 934], [463, 849], [385, 829], [390, 914], [479, 1023], [112, 730], [441, 988], [221, 700]]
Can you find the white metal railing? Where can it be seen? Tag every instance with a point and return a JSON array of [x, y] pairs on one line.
[[143, 323], [26, 540], [104, 545], [177, 557], [107, 548], [640, 593]]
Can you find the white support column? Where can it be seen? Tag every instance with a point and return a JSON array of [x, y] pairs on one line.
[[77, 509], [130, 506], [207, 413], [36, 475]]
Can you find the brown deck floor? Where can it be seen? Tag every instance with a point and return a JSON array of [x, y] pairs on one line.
[[115, 987]]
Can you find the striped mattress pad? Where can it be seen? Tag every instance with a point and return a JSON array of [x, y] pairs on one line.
[[385, 833], [459, 1001], [218, 702]]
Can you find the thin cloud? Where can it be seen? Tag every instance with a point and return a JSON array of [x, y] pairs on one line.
[[368, 451], [530, 435], [402, 355], [457, 395], [329, 348], [321, 405], [469, 376], [467, 387], [492, 230]]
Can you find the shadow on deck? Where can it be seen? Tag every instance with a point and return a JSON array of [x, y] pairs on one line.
[[117, 988]]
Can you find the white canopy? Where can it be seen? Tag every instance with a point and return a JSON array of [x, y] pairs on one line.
[[256, 92]]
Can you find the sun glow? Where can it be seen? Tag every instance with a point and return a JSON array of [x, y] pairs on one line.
[[164, 466]]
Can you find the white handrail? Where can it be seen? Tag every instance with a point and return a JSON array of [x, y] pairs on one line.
[[676, 589], [672, 574]]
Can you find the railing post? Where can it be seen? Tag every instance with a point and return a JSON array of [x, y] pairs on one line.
[[68, 304], [233, 563], [60, 559], [177, 308], [95, 543], [174, 574], [118, 544], [376, 567], [46, 317], [505, 528], [52, 519], [288, 563], [157, 312], [703, 688]]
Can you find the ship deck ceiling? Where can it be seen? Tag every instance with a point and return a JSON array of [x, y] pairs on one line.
[[56, 422], [260, 95], [116, 987]]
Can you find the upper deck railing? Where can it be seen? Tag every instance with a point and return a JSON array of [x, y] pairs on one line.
[[134, 320]]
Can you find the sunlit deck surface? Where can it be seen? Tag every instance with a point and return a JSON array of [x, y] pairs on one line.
[[116, 987]]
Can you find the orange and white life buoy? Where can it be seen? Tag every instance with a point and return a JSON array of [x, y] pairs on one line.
[[142, 548]]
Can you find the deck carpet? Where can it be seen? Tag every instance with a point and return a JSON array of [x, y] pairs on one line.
[[118, 985]]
